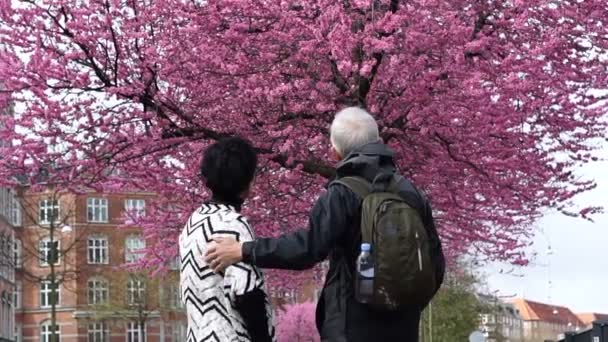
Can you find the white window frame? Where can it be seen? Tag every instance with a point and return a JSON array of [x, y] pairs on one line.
[[45, 293], [135, 208], [5, 203], [98, 332], [18, 333], [98, 291], [5, 265], [173, 296], [15, 212], [136, 291], [45, 331], [17, 295], [179, 330], [97, 210], [98, 250], [175, 264], [46, 209], [17, 253], [5, 314], [134, 248], [44, 251], [133, 330]]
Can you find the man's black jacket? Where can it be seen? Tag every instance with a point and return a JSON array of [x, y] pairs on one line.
[[334, 231]]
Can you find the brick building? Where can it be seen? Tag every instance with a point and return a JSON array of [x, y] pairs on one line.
[[97, 300], [502, 322], [9, 218], [588, 318], [545, 321]]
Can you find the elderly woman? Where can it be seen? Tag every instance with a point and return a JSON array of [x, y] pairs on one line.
[[230, 306]]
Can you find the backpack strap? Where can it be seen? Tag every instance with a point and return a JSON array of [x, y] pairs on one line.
[[358, 185], [393, 186], [362, 187]]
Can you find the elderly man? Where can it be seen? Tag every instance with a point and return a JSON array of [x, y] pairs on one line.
[[334, 230]]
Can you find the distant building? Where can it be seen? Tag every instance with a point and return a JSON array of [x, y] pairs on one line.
[[10, 217], [545, 321], [588, 318], [97, 300], [502, 322]]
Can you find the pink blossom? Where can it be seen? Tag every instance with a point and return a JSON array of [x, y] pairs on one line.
[[296, 323], [462, 92]]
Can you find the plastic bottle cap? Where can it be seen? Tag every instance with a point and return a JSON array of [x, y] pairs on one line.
[[366, 247]]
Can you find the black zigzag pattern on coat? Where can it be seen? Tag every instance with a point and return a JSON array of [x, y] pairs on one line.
[[209, 209], [246, 224], [248, 286], [211, 338], [208, 296], [211, 304], [202, 272], [215, 305], [191, 337], [207, 227]]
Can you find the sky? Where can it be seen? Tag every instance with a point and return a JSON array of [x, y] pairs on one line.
[[578, 266]]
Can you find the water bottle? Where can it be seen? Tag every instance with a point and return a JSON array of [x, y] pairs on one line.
[[364, 284]]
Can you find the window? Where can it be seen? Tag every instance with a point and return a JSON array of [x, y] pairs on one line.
[[97, 210], [46, 332], [48, 297], [173, 296], [98, 291], [49, 211], [97, 250], [5, 202], [4, 256], [134, 248], [178, 332], [17, 295], [136, 332], [17, 254], [136, 290], [5, 313], [18, 333], [15, 212], [135, 208], [175, 264], [49, 251], [98, 332]]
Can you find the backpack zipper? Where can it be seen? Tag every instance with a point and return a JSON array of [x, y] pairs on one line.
[[419, 253]]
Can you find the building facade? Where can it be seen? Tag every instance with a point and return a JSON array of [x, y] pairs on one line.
[[73, 243], [10, 217], [545, 321], [502, 322], [588, 318]]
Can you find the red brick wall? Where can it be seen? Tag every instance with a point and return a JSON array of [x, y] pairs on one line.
[[74, 294]]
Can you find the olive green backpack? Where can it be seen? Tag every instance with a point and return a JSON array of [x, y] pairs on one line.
[[404, 276]]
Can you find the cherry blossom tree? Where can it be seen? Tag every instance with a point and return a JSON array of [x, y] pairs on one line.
[[490, 105], [297, 323]]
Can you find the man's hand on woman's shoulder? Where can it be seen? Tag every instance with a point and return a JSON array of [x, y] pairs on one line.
[[223, 252]]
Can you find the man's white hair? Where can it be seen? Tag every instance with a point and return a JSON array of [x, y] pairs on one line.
[[352, 127]]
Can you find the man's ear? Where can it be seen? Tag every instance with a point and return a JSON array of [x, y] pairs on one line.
[[335, 154]]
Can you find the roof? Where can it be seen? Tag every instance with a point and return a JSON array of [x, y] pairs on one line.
[[590, 317], [535, 311], [504, 308]]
